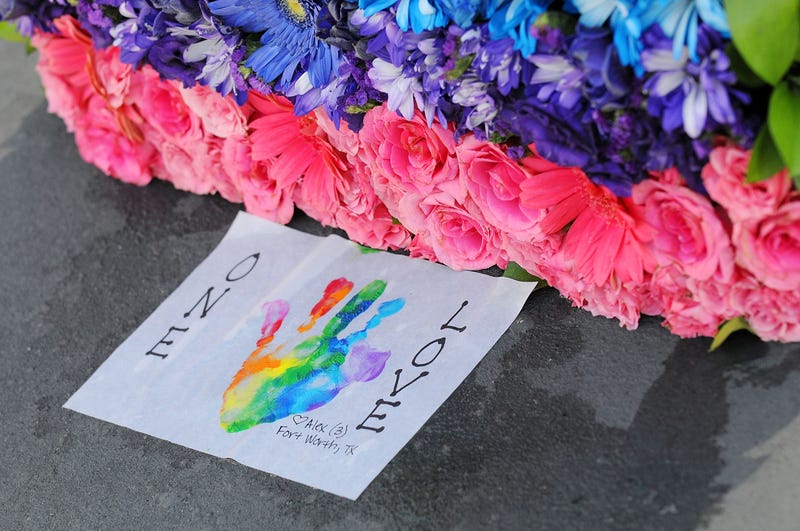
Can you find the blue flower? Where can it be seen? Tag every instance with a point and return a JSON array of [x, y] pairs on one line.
[[463, 12], [514, 19], [425, 15], [625, 19], [288, 39], [679, 21]]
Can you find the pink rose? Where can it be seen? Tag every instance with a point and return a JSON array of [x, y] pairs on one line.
[[359, 212], [220, 116], [263, 195], [100, 142], [724, 178], [772, 314], [770, 247], [493, 180], [688, 233], [169, 119], [458, 234], [408, 161]]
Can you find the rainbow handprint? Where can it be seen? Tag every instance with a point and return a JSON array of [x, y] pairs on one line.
[[282, 381]]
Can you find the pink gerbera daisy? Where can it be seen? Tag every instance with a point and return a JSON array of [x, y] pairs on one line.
[[606, 237]]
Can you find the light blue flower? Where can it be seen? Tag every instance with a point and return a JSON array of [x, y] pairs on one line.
[[625, 18], [425, 15], [679, 21], [288, 39], [514, 19]]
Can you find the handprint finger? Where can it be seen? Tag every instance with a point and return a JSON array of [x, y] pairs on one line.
[[354, 307], [384, 310], [274, 314], [333, 295]]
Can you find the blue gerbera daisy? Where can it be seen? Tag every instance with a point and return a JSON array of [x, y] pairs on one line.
[[288, 39]]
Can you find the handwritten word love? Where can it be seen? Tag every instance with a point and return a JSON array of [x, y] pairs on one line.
[[422, 358]]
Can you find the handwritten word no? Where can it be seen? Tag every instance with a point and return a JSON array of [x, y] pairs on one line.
[[237, 272], [424, 357]]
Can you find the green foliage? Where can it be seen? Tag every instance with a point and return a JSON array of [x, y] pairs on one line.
[[367, 250], [362, 109], [765, 35], [462, 63], [564, 22], [8, 32], [517, 272], [765, 160], [727, 328], [783, 119], [744, 74]]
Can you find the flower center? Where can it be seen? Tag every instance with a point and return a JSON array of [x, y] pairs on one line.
[[294, 9]]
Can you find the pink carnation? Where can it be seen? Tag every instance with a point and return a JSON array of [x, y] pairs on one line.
[[220, 116], [684, 312], [533, 255], [359, 212], [770, 247], [614, 300], [774, 315], [262, 195], [724, 178], [100, 142], [408, 160], [688, 233], [110, 77]]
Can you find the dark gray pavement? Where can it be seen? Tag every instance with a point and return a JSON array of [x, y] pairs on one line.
[[569, 423]]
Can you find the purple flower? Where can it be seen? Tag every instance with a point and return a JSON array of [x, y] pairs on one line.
[[93, 18], [698, 96], [212, 46], [496, 61], [32, 15]]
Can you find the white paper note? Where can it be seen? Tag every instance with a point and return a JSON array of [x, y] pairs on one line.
[[302, 356]]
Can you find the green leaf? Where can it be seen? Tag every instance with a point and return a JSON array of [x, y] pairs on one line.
[[517, 272], [8, 32], [744, 74], [461, 66], [783, 118], [766, 35], [366, 250], [727, 328], [564, 22], [765, 160]]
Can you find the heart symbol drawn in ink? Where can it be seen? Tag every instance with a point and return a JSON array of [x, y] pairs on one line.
[[300, 419]]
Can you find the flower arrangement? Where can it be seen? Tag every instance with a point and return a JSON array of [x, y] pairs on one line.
[[637, 155]]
